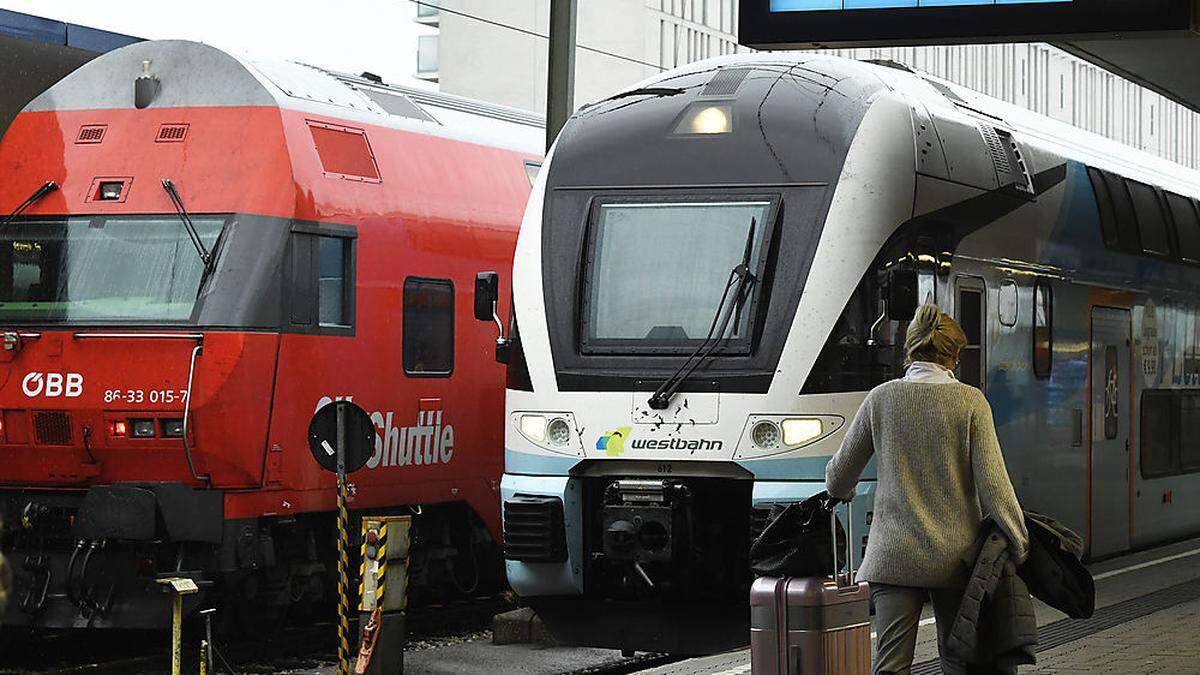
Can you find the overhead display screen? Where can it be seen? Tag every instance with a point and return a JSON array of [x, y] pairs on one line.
[[801, 24], [817, 5]]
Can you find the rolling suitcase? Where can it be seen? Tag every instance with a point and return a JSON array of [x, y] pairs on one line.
[[812, 625]]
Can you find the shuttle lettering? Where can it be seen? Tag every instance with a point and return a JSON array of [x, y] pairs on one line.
[[428, 442]]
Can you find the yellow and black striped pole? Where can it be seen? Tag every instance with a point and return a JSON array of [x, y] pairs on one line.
[[343, 561]]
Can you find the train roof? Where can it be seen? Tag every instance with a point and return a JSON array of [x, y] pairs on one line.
[[947, 98], [217, 78]]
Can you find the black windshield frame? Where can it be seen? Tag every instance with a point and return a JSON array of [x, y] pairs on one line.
[[764, 236]]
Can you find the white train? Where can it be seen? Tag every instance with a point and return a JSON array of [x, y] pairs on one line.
[[717, 265]]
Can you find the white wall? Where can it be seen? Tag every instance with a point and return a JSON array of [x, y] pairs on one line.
[[1051, 82], [491, 63], [504, 66]]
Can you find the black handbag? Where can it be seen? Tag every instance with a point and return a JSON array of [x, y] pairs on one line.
[[798, 540]]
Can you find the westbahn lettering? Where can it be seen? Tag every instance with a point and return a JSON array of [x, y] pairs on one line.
[[694, 445]]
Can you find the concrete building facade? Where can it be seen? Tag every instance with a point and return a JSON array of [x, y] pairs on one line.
[[497, 51]]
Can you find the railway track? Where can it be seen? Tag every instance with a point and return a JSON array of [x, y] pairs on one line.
[[290, 648]]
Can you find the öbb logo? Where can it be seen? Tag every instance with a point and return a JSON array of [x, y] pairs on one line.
[[53, 385]]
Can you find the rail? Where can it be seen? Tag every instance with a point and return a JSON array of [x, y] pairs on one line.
[[137, 336]]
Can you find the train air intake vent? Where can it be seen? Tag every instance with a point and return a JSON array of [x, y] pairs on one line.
[[90, 134], [171, 133], [533, 529], [52, 427], [726, 82], [1007, 159]]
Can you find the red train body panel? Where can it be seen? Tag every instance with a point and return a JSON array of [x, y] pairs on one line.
[[317, 203]]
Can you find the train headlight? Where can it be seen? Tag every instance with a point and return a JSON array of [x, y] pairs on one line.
[[799, 431], [533, 427], [706, 120], [765, 435], [558, 432]]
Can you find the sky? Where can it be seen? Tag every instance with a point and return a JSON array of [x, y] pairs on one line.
[[351, 36]]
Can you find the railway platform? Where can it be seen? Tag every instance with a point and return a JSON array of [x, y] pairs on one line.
[[1147, 610]]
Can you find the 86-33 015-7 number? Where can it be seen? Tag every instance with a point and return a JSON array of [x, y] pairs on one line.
[[155, 396]]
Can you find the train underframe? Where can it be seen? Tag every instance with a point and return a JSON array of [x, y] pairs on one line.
[[95, 558], [666, 566]]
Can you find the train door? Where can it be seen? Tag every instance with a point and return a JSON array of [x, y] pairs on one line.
[[1110, 438], [970, 308]]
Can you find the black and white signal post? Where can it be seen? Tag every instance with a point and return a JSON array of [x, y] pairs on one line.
[[341, 437]]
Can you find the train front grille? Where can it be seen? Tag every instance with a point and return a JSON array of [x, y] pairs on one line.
[[52, 427], [533, 529]]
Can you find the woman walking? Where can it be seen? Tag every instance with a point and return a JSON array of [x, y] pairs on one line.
[[940, 472]]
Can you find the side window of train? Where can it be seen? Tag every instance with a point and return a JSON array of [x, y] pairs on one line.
[[1159, 434], [1117, 220], [320, 277], [332, 264], [1187, 226], [1189, 431], [971, 311], [1152, 222], [1043, 329], [428, 327], [1170, 425]]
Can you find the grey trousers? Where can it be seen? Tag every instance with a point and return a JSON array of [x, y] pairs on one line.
[[897, 615]]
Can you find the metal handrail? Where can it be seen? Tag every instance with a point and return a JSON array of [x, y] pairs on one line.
[[187, 408], [139, 336]]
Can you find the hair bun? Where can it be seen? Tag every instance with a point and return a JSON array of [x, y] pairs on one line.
[[933, 336]]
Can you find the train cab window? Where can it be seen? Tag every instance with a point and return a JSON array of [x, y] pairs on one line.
[[320, 289], [1189, 431], [1159, 434], [971, 316], [1152, 222], [428, 327], [1043, 329], [331, 281], [1187, 226]]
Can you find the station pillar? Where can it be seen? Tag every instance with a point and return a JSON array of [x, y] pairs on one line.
[[383, 594]]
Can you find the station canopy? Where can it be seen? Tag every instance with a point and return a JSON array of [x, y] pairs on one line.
[[35, 53], [1155, 43]]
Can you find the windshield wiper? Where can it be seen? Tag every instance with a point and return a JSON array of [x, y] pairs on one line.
[[46, 188], [205, 256], [743, 279], [654, 92]]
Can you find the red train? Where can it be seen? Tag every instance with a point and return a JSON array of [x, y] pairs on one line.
[[203, 251]]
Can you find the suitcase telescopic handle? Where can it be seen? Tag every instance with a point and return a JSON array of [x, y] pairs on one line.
[[833, 521]]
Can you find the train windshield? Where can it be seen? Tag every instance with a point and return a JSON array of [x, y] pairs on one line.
[[102, 269], [658, 272]]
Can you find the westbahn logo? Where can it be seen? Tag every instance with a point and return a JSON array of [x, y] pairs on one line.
[[613, 443]]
